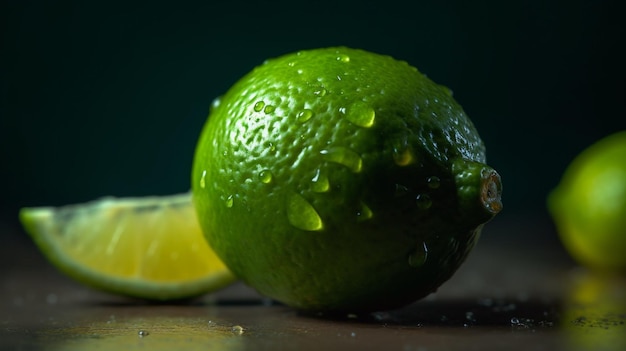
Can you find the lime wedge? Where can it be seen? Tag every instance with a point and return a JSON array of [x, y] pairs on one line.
[[147, 247]]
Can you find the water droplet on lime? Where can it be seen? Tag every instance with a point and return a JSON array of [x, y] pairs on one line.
[[265, 176], [402, 154], [361, 114], [302, 214], [258, 107], [215, 103], [304, 115], [230, 201], [269, 109], [403, 157], [271, 146], [401, 190], [433, 182], [364, 213], [320, 182], [202, 179], [418, 257], [343, 58], [320, 92], [423, 201], [345, 157]]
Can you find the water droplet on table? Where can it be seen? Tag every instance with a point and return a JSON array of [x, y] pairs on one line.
[[237, 330], [51, 299], [469, 316]]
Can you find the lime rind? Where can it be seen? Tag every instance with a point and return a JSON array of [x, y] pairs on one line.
[[39, 224]]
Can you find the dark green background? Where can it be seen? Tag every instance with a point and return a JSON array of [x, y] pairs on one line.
[[98, 98]]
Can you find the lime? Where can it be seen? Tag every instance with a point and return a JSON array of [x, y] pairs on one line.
[[340, 179], [589, 205], [150, 247]]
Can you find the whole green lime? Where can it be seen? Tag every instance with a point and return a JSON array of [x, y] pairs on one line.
[[589, 205], [341, 180]]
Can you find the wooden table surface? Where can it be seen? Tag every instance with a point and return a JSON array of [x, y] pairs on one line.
[[518, 290]]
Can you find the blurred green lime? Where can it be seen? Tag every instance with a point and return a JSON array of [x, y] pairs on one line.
[[589, 205]]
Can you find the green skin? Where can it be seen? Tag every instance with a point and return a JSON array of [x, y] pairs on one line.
[[421, 228]]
